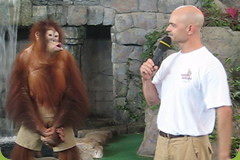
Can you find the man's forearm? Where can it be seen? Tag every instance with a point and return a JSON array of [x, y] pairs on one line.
[[224, 129], [150, 92]]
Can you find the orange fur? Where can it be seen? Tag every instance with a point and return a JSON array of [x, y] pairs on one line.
[[52, 81], [70, 154], [20, 153]]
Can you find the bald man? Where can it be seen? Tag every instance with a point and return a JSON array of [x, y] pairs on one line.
[[190, 86]]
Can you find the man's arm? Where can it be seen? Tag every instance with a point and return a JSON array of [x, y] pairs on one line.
[[150, 92], [224, 129], [148, 70]]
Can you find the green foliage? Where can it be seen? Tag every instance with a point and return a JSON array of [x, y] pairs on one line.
[[131, 115], [234, 86], [235, 147], [151, 40], [208, 4], [234, 81], [213, 135], [134, 116], [215, 17]]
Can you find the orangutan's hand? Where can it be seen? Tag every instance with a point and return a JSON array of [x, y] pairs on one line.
[[54, 138]]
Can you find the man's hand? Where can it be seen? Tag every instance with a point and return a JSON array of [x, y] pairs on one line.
[[148, 69]]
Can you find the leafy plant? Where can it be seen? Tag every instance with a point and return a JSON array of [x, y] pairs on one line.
[[138, 113], [134, 117], [234, 82], [151, 40], [235, 147], [215, 17], [234, 86]]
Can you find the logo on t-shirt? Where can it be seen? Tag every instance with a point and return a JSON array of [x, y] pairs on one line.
[[187, 76]]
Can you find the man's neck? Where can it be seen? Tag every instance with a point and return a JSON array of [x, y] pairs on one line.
[[190, 46]]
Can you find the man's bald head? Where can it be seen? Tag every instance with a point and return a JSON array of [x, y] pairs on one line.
[[189, 15]]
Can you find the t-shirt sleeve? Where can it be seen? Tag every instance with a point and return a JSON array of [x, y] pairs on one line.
[[215, 87]]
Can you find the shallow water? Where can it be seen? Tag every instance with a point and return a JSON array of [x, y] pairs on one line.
[[6, 149]]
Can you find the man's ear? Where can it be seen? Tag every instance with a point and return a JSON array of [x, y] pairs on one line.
[[191, 28], [37, 35]]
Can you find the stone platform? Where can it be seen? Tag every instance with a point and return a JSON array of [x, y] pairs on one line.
[[91, 141]]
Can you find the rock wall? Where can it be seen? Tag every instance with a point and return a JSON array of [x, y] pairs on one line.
[[130, 21], [231, 3]]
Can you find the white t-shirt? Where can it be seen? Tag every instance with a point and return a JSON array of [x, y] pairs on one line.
[[190, 86]]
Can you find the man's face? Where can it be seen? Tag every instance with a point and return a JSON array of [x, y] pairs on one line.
[[177, 29]]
